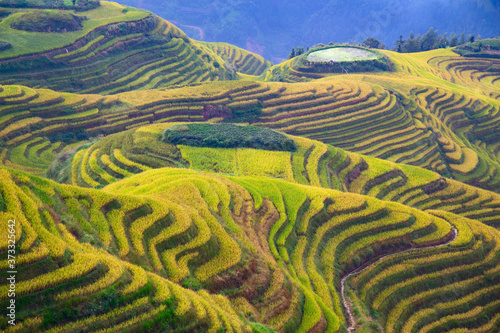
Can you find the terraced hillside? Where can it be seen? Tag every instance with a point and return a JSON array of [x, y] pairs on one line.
[[243, 61], [118, 49], [435, 109], [376, 208], [452, 132], [165, 243], [122, 155]]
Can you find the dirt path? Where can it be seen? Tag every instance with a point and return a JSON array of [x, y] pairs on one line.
[[348, 305]]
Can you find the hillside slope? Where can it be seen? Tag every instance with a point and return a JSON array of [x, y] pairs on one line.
[[434, 109], [363, 197], [165, 244], [452, 131], [118, 49], [121, 155]]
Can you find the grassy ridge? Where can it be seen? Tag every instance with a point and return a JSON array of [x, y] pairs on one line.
[[26, 43]]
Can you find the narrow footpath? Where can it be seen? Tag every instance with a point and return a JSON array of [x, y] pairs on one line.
[[348, 306]]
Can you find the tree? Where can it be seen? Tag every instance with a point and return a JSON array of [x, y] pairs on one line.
[[442, 41], [429, 39], [462, 39], [413, 44], [471, 39], [479, 37], [453, 40], [299, 50], [292, 53], [400, 44], [74, 3], [373, 43]]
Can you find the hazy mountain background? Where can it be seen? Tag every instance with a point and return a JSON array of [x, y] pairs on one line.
[[273, 27]]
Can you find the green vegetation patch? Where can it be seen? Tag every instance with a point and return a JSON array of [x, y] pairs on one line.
[[487, 48], [227, 136], [48, 21], [341, 54], [3, 13], [5, 45]]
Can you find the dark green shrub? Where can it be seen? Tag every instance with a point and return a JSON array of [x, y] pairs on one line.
[[227, 136], [48, 21], [486, 48], [5, 45]]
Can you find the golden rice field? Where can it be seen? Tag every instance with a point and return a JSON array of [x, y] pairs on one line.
[[150, 239], [384, 218], [432, 123], [119, 156]]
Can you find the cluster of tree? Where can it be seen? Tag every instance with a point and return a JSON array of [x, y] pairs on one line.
[[373, 43], [431, 40], [296, 51]]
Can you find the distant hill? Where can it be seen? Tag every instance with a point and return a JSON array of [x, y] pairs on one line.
[[122, 155], [273, 27]]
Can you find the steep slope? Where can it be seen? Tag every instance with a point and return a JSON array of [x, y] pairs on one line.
[[121, 155], [435, 109], [242, 60], [118, 49], [155, 232], [449, 131]]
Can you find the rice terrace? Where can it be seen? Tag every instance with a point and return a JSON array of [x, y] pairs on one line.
[[150, 182]]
